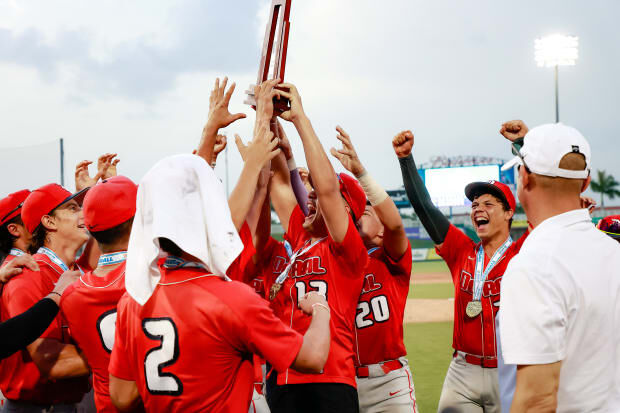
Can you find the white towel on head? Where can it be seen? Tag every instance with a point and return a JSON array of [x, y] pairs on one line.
[[181, 199]]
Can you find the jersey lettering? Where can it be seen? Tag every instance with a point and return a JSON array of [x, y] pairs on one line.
[[165, 331], [309, 266], [379, 308], [370, 284], [106, 326], [489, 289]]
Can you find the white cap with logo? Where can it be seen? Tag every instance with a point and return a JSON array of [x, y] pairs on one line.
[[545, 146]]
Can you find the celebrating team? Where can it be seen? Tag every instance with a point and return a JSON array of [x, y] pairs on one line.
[[161, 318]]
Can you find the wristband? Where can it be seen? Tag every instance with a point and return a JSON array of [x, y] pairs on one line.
[[54, 292], [321, 305], [291, 164], [374, 192]]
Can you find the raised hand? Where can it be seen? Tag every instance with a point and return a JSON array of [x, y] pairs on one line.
[[347, 155], [513, 130], [284, 143], [242, 147], [403, 143], [262, 149], [82, 176], [264, 95], [587, 203], [220, 145], [296, 111], [219, 115], [106, 165], [14, 267]]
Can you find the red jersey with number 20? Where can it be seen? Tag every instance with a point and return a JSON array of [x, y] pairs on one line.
[[381, 308], [336, 269], [189, 348], [474, 335], [89, 306]]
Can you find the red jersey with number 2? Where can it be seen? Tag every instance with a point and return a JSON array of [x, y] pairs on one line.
[[89, 306], [189, 347], [336, 269], [474, 335], [381, 308]]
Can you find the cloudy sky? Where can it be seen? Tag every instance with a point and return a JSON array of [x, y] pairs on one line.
[[134, 77]]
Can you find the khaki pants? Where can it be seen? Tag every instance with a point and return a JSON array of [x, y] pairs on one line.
[[469, 389], [258, 403], [387, 393]]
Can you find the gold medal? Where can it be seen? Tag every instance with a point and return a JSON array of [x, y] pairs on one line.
[[273, 291], [473, 309]]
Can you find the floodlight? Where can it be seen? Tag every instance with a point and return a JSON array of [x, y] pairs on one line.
[[556, 50]]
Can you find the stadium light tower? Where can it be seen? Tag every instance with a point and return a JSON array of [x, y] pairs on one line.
[[554, 51]]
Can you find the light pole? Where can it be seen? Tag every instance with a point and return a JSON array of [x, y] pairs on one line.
[[554, 51]]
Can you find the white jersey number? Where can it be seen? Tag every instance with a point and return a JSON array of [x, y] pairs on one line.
[[380, 311], [163, 330], [106, 327], [319, 286]]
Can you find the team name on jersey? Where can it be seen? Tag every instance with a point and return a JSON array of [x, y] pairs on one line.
[[301, 268], [370, 284], [490, 288]]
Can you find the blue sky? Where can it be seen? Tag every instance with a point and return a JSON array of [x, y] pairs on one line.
[[135, 77]]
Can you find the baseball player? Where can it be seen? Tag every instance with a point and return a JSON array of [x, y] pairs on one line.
[[471, 383], [30, 379], [187, 344], [328, 256], [14, 238], [89, 306], [384, 380], [610, 225]]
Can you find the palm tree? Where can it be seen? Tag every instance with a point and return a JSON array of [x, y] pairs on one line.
[[606, 185]]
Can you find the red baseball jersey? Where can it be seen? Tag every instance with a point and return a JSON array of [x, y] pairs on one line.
[[89, 306], [337, 270], [381, 308], [474, 335], [19, 376], [189, 348]]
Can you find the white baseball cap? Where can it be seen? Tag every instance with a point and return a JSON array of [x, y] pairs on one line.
[[545, 146]]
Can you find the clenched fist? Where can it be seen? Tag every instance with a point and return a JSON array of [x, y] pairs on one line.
[[513, 130], [403, 143]]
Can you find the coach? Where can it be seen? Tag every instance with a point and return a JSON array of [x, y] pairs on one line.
[[560, 309]]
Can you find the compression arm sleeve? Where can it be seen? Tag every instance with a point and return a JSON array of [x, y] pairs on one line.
[[21, 330], [434, 221], [301, 194]]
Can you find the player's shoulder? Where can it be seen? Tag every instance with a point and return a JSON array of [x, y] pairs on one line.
[[70, 294]]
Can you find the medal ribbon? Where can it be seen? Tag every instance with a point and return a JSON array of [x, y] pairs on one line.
[[112, 258], [293, 257], [16, 252], [174, 263], [480, 276], [370, 251], [54, 258]]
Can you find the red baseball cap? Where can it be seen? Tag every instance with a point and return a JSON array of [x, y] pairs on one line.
[[610, 225], [44, 200], [11, 205], [353, 193], [110, 203], [495, 188]]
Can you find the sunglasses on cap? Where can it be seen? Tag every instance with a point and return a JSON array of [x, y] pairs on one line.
[[516, 152]]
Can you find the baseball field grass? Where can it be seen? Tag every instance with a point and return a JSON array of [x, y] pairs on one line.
[[429, 349], [438, 291], [430, 267]]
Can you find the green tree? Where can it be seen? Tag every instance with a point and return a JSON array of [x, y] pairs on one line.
[[607, 186]]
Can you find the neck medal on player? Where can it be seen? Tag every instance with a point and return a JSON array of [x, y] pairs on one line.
[[112, 258], [16, 252], [53, 257], [474, 307], [277, 286]]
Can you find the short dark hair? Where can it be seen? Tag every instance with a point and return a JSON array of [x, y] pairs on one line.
[[6, 238], [170, 247], [38, 238], [111, 235]]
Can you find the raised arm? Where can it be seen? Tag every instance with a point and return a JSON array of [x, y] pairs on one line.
[[434, 221], [324, 178], [219, 117], [301, 194], [395, 240]]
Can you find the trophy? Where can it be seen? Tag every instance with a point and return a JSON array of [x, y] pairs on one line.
[[278, 21]]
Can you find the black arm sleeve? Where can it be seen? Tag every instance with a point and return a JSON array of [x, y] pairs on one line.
[[21, 330], [434, 221]]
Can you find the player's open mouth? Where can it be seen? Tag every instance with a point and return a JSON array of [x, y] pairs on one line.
[[311, 208], [480, 222]]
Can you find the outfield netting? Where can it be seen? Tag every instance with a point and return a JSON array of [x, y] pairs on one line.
[[29, 167]]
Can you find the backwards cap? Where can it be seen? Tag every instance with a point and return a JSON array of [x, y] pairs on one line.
[[110, 203], [11, 205]]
